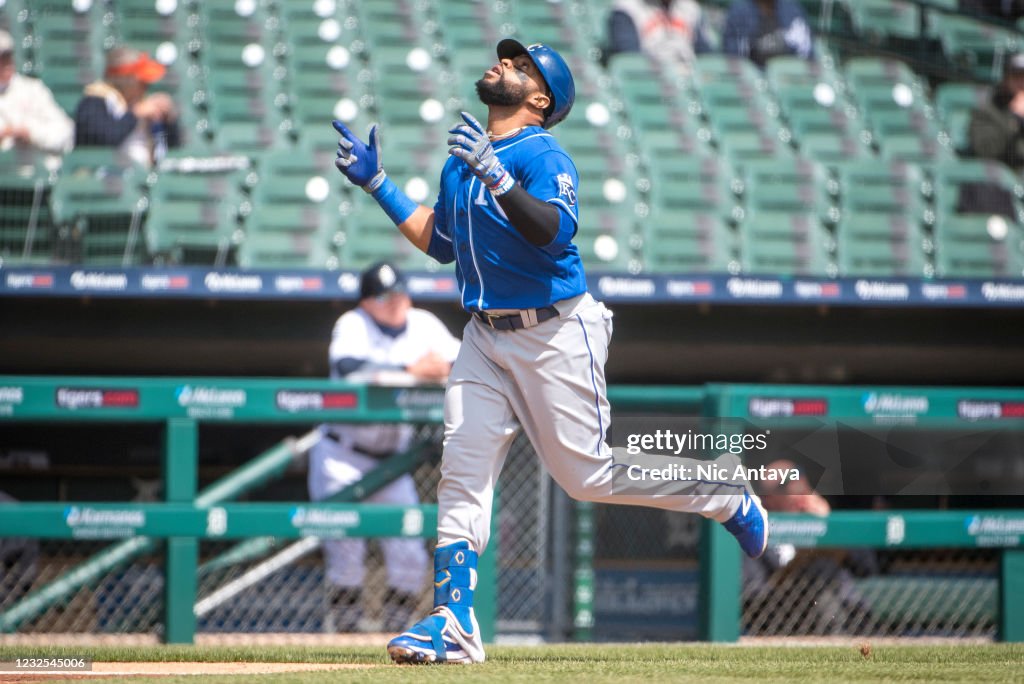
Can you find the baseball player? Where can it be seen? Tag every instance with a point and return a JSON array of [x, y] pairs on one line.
[[533, 353], [383, 333]]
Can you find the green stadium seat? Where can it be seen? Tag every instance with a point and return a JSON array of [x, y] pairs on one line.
[[687, 243], [306, 219], [720, 68], [26, 228], [834, 147], [194, 217], [880, 245], [916, 148], [972, 45], [953, 103], [789, 70], [881, 187], [864, 72], [784, 243], [807, 109], [248, 137], [965, 249], [949, 177], [101, 215], [879, 20], [371, 237], [741, 145], [314, 188], [791, 184], [691, 183], [89, 160], [282, 250]]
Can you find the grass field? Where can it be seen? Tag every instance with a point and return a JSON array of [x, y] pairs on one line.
[[590, 663]]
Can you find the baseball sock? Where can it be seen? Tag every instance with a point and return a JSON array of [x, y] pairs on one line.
[[455, 581]]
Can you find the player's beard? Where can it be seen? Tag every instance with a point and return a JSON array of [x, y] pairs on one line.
[[500, 93]]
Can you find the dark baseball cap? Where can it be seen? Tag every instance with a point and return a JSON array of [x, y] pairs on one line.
[[1014, 63], [382, 278]]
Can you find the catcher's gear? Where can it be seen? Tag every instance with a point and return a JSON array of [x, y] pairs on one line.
[[556, 75], [359, 161], [470, 143]]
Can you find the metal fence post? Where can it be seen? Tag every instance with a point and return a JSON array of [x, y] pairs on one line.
[[1011, 595], [721, 579], [181, 454], [583, 573]]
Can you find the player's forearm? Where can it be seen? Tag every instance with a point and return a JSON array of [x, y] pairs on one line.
[[414, 220], [418, 227]]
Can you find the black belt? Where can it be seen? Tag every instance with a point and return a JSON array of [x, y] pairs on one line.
[[527, 318], [335, 437]]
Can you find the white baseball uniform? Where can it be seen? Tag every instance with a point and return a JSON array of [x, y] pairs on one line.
[[348, 451]]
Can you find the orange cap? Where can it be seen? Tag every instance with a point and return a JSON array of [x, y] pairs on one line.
[[129, 62]]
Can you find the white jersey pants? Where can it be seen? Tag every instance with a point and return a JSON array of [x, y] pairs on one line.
[[332, 467], [548, 380]]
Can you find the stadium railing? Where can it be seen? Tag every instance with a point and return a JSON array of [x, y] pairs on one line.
[[187, 515]]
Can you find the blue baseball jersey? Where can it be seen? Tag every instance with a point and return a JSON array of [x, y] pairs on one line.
[[496, 267]]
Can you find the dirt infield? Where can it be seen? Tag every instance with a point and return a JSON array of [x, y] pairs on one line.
[[104, 671]]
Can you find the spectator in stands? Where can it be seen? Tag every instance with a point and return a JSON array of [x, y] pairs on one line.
[[832, 601], [29, 116], [762, 29], [383, 337], [117, 112], [996, 129], [1007, 10], [669, 31]]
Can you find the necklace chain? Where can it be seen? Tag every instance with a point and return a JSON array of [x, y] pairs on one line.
[[514, 131]]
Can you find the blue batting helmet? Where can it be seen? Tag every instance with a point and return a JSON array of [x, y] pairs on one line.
[[555, 72]]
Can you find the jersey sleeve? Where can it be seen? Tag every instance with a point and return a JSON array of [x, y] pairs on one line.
[[441, 247], [349, 339], [551, 177]]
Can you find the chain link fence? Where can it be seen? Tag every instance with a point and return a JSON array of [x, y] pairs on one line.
[[295, 597], [935, 593], [646, 580]]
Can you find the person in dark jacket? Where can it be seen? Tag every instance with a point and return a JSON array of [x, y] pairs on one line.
[[117, 112], [762, 29], [996, 129]]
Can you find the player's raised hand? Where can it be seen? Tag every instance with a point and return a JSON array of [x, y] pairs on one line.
[[469, 142], [360, 162]]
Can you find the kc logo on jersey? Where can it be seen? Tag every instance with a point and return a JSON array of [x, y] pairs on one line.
[[565, 188]]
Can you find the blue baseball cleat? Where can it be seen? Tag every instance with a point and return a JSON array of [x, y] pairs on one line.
[[437, 638], [450, 634], [750, 525]]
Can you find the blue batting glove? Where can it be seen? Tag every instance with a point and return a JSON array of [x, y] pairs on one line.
[[469, 143], [360, 162]]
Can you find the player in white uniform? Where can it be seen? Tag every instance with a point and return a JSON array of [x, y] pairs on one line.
[[383, 334]]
